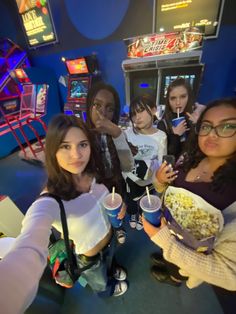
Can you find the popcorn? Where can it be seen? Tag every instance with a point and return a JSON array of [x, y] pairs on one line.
[[191, 219], [197, 221]]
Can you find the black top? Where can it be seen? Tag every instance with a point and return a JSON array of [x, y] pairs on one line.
[[219, 199], [174, 144]]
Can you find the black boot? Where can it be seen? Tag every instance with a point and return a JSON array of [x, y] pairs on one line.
[[163, 276]]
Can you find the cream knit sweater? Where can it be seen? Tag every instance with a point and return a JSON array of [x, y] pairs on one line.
[[217, 268]]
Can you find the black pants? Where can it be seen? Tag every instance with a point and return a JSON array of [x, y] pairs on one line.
[[173, 270], [227, 299]]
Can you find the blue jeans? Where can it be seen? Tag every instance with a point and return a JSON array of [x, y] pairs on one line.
[[99, 275]]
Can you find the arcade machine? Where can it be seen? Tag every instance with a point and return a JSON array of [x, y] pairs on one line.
[[157, 59], [21, 102], [82, 73], [11, 58]]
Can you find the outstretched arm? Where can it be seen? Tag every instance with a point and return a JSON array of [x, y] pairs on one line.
[[22, 268]]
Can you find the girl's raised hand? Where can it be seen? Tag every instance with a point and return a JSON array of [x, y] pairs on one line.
[[165, 174], [104, 125]]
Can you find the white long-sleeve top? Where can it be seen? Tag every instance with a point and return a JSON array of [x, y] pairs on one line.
[[151, 148], [22, 268], [124, 153]]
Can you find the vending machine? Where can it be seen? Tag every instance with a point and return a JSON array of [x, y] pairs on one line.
[[155, 60], [83, 72]]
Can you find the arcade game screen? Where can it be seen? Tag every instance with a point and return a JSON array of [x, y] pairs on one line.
[[9, 108], [78, 89], [77, 66], [192, 74], [143, 82], [20, 76]]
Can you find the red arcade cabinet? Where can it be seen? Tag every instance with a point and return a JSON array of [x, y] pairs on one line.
[[21, 102], [82, 73]]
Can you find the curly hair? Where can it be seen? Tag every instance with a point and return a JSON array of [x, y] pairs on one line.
[[60, 181], [225, 173], [97, 87]]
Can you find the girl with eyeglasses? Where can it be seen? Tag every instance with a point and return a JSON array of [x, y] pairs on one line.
[[209, 170]]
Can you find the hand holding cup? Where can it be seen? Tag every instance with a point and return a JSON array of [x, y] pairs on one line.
[[113, 206], [151, 207], [179, 126], [150, 229]]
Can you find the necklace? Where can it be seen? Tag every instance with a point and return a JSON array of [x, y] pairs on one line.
[[200, 176]]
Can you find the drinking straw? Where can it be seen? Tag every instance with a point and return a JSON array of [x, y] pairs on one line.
[[178, 113], [113, 194], [148, 195]]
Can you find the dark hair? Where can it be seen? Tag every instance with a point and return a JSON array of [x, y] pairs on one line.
[[168, 114], [90, 99], [226, 172], [140, 103], [60, 181]]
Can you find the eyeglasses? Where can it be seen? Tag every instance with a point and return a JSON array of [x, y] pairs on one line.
[[221, 130]]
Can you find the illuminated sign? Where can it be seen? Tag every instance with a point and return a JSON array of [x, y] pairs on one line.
[[37, 22], [177, 15], [77, 66], [165, 43]]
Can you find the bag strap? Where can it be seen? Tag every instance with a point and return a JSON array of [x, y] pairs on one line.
[[65, 233]]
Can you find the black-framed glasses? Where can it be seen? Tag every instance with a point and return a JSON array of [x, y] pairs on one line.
[[221, 130]]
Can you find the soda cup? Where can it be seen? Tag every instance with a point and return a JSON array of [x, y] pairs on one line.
[[151, 207], [112, 205], [176, 122]]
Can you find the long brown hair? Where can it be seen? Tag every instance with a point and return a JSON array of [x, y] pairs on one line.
[[60, 181], [168, 114]]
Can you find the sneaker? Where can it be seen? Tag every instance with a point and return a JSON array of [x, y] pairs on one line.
[[133, 221], [120, 288], [121, 236], [139, 224], [119, 274]]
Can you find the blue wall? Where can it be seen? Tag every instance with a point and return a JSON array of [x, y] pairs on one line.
[[82, 31]]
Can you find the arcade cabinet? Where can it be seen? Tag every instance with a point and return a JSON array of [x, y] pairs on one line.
[[164, 58], [11, 57], [22, 103], [83, 72]]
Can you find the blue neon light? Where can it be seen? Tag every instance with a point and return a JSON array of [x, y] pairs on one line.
[[144, 85]]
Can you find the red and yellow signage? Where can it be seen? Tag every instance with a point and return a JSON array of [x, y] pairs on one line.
[[164, 43]]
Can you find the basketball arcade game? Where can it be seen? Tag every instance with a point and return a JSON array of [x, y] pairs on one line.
[[155, 60], [82, 73], [21, 102]]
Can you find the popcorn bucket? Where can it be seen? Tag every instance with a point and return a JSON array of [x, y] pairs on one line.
[[191, 219]]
